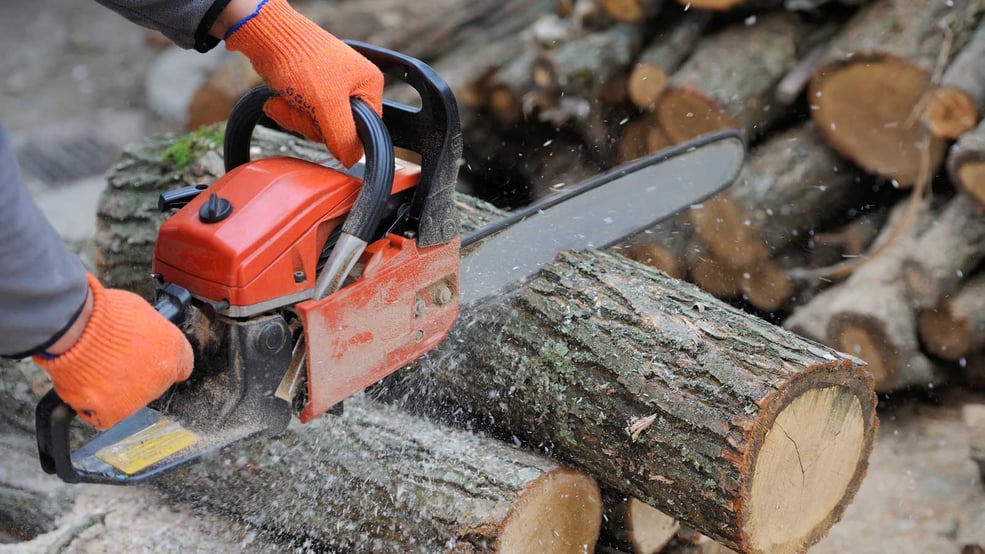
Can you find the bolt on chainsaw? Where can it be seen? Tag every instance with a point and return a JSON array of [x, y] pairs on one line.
[[300, 283]]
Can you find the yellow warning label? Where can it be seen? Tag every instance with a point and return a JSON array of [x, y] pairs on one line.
[[148, 446]]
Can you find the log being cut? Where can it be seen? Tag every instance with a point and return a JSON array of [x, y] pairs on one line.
[[748, 433]]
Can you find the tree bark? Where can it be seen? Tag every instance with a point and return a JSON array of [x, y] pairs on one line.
[[957, 104], [866, 97], [700, 97], [966, 164]]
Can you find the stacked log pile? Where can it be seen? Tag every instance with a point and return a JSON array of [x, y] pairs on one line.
[[851, 110]]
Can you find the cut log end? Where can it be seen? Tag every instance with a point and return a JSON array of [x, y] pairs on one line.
[[657, 255], [864, 108], [970, 177], [625, 11], [686, 113], [767, 286], [950, 113], [646, 83], [863, 337], [723, 226], [813, 456], [716, 5], [560, 512], [505, 104], [650, 529], [944, 334]]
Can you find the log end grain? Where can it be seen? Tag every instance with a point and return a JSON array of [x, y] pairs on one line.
[[968, 172], [944, 334], [715, 5], [650, 530], [768, 286], [560, 512], [864, 107], [685, 113], [724, 227], [647, 82], [654, 254], [950, 113], [811, 455]]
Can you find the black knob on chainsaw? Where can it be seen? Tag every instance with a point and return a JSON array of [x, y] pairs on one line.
[[215, 209]]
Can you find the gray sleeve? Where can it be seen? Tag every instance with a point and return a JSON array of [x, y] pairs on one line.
[[186, 22], [42, 284]]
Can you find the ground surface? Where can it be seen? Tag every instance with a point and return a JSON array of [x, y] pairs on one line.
[[74, 78]]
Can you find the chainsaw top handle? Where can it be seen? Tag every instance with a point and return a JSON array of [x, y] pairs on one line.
[[433, 131]]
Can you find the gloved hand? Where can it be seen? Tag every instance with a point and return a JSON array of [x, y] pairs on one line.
[[313, 73], [127, 356]]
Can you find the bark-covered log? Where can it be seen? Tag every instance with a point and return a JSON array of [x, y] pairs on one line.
[[966, 164], [704, 96], [582, 67], [665, 53], [866, 97], [867, 314], [682, 396], [956, 105], [955, 327], [789, 186], [379, 480], [945, 255]]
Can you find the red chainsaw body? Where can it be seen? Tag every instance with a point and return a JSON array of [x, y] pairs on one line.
[[400, 300], [284, 209]]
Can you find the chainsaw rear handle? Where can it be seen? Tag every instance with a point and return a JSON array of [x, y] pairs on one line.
[[433, 131]]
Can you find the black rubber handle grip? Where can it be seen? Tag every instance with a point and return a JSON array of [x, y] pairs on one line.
[[53, 418], [364, 218]]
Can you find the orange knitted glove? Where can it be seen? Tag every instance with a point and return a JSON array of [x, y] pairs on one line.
[[127, 356], [313, 73]]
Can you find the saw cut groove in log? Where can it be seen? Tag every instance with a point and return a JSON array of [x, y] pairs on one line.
[[665, 394], [378, 480], [945, 254], [701, 97], [665, 53], [866, 97], [966, 164]]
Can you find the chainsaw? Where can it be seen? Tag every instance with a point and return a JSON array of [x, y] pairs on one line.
[[300, 284]]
